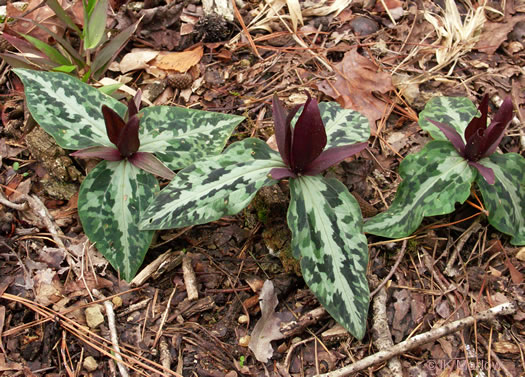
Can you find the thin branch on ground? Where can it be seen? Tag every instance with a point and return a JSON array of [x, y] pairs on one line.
[[17, 207], [495, 357], [381, 334], [508, 308], [113, 332], [393, 270], [473, 228], [190, 280]]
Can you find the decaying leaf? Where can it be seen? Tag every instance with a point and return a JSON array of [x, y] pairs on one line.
[[138, 58], [356, 79], [267, 327], [179, 61], [294, 8]]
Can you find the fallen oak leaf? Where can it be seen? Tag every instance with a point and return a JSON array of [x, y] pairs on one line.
[[267, 327], [179, 61], [356, 79]]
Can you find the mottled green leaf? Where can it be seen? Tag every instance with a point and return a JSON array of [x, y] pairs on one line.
[[214, 187], [327, 237], [343, 126], [457, 112], [110, 202], [505, 199], [67, 109], [433, 181], [180, 136]]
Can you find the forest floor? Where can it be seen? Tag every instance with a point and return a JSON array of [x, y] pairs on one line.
[[384, 64]]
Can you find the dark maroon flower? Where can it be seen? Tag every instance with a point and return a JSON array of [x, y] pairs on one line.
[[302, 149], [124, 133], [481, 141]]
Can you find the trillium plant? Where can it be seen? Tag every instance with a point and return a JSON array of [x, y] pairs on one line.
[[442, 173], [132, 144], [324, 218]]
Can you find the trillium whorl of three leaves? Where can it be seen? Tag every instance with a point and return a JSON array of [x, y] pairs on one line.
[[328, 239], [324, 218], [471, 145], [111, 199]]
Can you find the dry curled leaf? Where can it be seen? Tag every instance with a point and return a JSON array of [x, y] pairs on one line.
[[267, 327], [356, 80], [138, 58], [179, 61]]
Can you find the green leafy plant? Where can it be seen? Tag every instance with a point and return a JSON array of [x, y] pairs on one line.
[[324, 218], [442, 173], [90, 60], [132, 144]]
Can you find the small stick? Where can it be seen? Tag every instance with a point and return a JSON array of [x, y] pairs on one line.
[[190, 280], [388, 12], [36, 204], [113, 332], [495, 357], [164, 263], [165, 356], [391, 273], [132, 308], [164, 316], [508, 308], [381, 332], [15, 206], [474, 227]]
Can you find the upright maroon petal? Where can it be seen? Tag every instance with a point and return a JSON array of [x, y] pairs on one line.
[[283, 132], [129, 138], [497, 127], [451, 134], [309, 137], [114, 124], [481, 122], [333, 156]]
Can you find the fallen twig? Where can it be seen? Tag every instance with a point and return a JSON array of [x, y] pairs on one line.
[[474, 227], [381, 356], [391, 273], [190, 280], [381, 331], [113, 332], [17, 207], [40, 209], [494, 356]]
